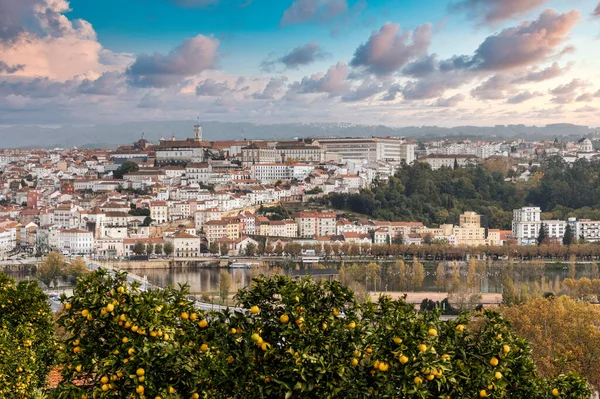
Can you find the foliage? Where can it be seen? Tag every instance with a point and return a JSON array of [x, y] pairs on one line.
[[250, 249], [158, 249], [563, 333], [54, 267], [302, 339], [26, 338], [140, 212], [435, 197], [168, 248], [138, 248], [126, 167], [213, 248], [417, 192], [568, 237], [224, 285]]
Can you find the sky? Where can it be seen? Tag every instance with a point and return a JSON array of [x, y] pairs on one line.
[[388, 62]]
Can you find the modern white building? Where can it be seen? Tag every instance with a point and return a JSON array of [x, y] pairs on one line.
[[388, 149], [526, 225], [449, 161]]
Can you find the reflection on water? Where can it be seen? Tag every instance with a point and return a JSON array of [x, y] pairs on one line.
[[207, 280]]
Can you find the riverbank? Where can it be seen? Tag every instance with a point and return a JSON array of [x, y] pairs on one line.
[[418, 297]]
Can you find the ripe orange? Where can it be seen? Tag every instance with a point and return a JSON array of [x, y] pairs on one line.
[[254, 309], [494, 361], [284, 318]]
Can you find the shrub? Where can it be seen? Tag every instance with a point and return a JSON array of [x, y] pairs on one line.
[[26, 337], [301, 339]]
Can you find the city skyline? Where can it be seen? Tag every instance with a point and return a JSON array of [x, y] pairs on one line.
[[371, 62]]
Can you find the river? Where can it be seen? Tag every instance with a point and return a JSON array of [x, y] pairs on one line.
[[206, 280]]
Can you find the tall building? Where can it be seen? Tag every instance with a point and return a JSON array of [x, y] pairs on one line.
[[387, 149], [526, 225], [197, 133]]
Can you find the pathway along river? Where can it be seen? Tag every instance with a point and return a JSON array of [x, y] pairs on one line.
[[490, 281]]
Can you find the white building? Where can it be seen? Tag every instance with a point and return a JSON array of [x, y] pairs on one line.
[[438, 161], [388, 149], [72, 241], [526, 225], [8, 241]]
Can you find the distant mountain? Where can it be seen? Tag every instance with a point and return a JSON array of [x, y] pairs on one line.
[[110, 136]]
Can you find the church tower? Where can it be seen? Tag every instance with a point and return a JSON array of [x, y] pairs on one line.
[[197, 133]]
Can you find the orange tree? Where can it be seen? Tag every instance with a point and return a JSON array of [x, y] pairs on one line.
[[26, 337], [302, 339]]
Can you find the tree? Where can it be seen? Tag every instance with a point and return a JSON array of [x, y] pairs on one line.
[[278, 249], [27, 345], [224, 285], [269, 349], [542, 234], [224, 248], [563, 333], [158, 249], [417, 274], [149, 248], [213, 248], [440, 276], [568, 237], [168, 248], [77, 268], [250, 249], [51, 269], [126, 167], [147, 221], [138, 248]]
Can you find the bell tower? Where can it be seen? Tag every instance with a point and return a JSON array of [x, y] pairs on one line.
[[197, 133]]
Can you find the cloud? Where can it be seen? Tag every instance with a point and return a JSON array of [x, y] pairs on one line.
[[37, 35], [189, 58], [35, 88], [565, 94], [585, 97], [534, 75], [302, 55], [272, 89], [424, 66], [333, 82], [493, 89], [108, 84], [367, 89], [525, 44], [450, 102], [387, 50], [597, 11], [322, 11], [435, 85], [521, 97], [8, 69], [211, 88], [494, 11]]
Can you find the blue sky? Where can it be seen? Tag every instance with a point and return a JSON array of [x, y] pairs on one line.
[[397, 62]]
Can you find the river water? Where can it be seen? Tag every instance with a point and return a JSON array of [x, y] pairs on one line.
[[490, 281]]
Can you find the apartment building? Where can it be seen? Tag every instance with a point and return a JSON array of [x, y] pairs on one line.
[[72, 241], [258, 154], [185, 245], [314, 224], [159, 211], [216, 229]]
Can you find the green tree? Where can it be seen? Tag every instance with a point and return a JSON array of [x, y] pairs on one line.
[[149, 248], [250, 249], [138, 248], [224, 248], [147, 221], [269, 349], [126, 167], [51, 269], [158, 249], [168, 249], [543, 234], [213, 248], [27, 344], [440, 276], [568, 237]]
